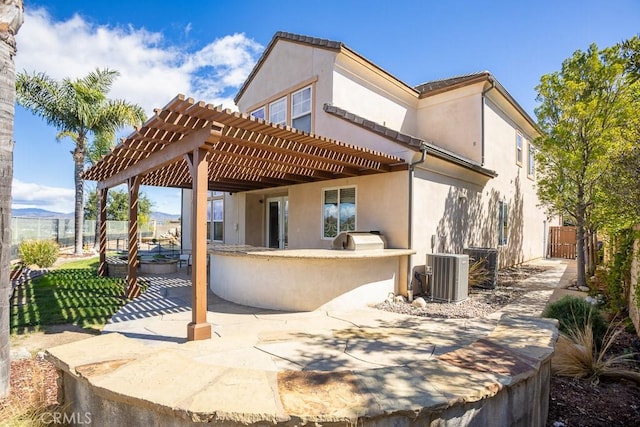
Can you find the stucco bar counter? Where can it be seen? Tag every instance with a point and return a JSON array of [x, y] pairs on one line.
[[306, 279]]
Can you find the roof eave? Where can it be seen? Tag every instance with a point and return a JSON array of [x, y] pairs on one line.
[[486, 76], [409, 141], [295, 38]]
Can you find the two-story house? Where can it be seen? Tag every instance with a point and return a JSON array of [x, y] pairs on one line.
[[471, 179], [327, 142]]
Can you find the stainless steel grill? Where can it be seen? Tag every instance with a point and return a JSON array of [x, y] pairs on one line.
[[359, 240]]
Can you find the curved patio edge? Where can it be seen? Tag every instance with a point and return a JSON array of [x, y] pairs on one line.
[[499, 378]]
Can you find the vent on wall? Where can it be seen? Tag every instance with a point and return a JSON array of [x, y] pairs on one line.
[[449, 276]]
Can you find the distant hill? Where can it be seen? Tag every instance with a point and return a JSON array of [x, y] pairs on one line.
[[39, 213], [43, 213], [162, 216]]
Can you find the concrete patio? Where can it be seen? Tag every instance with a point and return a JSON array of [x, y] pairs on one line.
[[365, 366]]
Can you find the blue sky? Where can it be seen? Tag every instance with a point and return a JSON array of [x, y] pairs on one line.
[[205, 49]]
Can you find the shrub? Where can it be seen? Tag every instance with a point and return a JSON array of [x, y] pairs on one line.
[[42, 253], [577, 355], [573, 313], [478, 274], [618, 272]]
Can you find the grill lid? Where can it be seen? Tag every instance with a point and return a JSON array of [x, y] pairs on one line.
[[359, 240]]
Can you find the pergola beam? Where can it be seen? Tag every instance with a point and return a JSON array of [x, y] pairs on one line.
[[161, 158], [338, 156]]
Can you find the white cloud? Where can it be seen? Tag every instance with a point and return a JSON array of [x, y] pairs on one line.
[[152, 70], [30, 195]]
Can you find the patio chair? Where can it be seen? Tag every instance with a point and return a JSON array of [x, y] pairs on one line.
[[185, 259]]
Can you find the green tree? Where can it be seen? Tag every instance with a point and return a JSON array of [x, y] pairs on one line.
[[118, 206], [78, 109], [631, 54], [101, 145], [584, 113], [11, 18]]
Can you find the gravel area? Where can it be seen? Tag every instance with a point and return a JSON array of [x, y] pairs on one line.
[[480, 303], [34, 385]]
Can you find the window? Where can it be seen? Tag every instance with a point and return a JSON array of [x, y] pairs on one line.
[[531, 171], [301, 109], [519, 148], [292, 106], [215, 216], [259, 113], [503, 220], [278, 111], [338, 211]]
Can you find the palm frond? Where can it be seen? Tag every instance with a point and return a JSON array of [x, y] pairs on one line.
[[41, 95], [118, 113], [99, 79], [67, 134], [102, 144]]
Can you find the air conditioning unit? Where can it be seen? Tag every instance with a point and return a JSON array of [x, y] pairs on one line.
[[449, 276]]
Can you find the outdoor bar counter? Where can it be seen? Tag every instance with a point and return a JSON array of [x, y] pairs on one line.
[[306, 279]]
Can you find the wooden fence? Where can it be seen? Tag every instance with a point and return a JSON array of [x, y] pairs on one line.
[[562, 242]]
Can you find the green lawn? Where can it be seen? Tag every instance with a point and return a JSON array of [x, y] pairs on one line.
[[72, 293]]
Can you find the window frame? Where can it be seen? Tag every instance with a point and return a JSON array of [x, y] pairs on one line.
[[519, 148], [531, 161], [284, 102], [503, 223], [264, 112], [212, 198], [338, 225], [287, 94], [306, 113]]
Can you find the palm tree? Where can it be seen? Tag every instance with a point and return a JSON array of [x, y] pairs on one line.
[[11, 17], [81, 108], [102, 143]]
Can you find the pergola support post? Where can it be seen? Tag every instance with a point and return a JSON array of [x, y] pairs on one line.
[[133, 289], [102, 233], [198, 328]]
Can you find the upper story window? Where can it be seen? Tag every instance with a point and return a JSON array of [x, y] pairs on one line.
[[259, 113], [292, 107], [278, 111], [338, 211], [531, 171], [519, 148], [301, 109]]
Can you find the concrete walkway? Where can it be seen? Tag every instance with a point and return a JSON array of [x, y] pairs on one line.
[[264, 366]]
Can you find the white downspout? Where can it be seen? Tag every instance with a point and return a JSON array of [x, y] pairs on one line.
[[423, 157]]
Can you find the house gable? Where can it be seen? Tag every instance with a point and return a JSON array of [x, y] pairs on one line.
[[452, 119], [334, 74], [310, 42], [448, 113]]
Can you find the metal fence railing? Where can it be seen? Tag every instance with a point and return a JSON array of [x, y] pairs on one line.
[[61, 231]]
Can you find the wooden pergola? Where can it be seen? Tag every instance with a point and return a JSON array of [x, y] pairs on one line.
[[198, 146]]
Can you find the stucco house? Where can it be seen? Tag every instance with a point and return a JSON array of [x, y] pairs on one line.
[[469, 144], [327, 142]]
